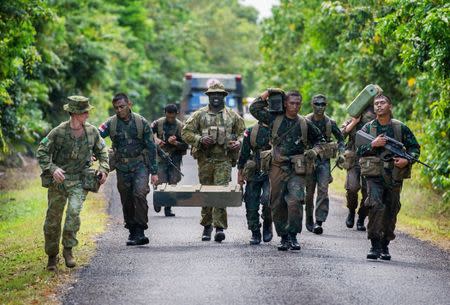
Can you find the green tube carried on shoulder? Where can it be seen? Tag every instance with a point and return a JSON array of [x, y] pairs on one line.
[[363, 100]]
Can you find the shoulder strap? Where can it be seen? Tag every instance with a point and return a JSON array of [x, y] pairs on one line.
[[179, 127], [276, 125], [113, 127], [60, 134], [254, 135], [160, 122], [373, 129], [90, 133], [139, 125], [328, 128], [309, 116], [397, 126], [303, 129]]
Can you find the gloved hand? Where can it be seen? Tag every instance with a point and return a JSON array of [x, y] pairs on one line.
[[310, 154], [207, 141], [340, 161]]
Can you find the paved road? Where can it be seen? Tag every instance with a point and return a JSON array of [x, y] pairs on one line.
[[178, 268]]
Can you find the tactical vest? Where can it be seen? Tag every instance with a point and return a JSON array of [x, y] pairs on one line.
[[396, 126], [137, 120], [221, 132], [303, 127], [327, 126], [160, 132]]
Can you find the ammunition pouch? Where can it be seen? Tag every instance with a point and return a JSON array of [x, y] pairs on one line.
[[371, 166], [233, 155], [301, 165], [350, 159], [90, 180], [328, 150], [46, 179], [398, 174], [195, 152], [112, 159], [249, 170], [266, 160]]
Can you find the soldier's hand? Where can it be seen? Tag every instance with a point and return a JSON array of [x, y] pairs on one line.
[[356, 120], [240, 179], [310, 154], [379, 141], [234, 145], [159, 142], [103, 178], [154, 179], [207, 141], [400, 162], [58, 175], [265, 95], [172, 140]]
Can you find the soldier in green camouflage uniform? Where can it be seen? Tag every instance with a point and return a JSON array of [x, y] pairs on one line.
[[290, 137], [134, 158], [384, 179], [321, 176], [256, 139], [354, 181], [167, 131], [64, 156], [214, 133]]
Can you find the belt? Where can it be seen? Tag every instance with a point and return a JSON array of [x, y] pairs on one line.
[[128, 160]]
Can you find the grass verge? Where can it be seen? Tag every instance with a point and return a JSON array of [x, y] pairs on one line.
[[23, 278], [423, 214]]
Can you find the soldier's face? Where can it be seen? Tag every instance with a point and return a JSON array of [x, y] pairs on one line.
[[81, 117], [217, 99], [292, 105], [171, 117], [382, 107], [319, 106], [122, 108]]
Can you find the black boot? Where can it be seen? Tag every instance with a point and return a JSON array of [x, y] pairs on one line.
[[385, 255], [350, 221], [141, 239], [267, 232], [360, 223], [132, 236], [219, 236], [284, 243], [157, 208], [318, 228], [168, 212], [256, 237], [309, 223], [206, 235], [375, 250], [52, 263], [294, 245]]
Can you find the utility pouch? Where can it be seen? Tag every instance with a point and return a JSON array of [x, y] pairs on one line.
[[249, 170], [398, 174], [350, 158], [266, 160], [221, 135], [300, 165], [329, 150], [46, 179], [91, 180], [371, 166], [213, 133]]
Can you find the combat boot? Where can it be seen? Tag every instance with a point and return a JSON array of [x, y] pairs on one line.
[[256, 237], [220, 235], [350, 221], [206, 235], [294, 245], [385, 250], [157, 208], [267, 232], [309, 223], [168, 212], [68, 258], [318, 228], [284, 243], [132, 236], [141, 239], [375, 250], [52, 263], [360, 224]]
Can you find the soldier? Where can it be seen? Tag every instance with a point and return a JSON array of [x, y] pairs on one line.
[[291, 134], [215, 134], [321, 176], [65, 155], [256, 139], [167, 131], [134, 157], [354, 181], [384, 178]]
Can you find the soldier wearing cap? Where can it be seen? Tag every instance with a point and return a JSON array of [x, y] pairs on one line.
[[214, 133], [65, 156]]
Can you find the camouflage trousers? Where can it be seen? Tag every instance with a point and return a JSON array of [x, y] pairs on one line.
[[320, 178], [353, 183], [383, 204], [287, 195], [167, 173], [70, 192], [256, 194], [133, 189], [214, 172]]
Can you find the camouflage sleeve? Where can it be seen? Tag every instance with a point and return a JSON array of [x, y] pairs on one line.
[[365, 149], [154, 126], [245, 149], [410, 142], [101, 153], [239, 128], [339, 136], [343, 126], [259, 110], [315, 136], [151, 147], [191, 133], [104, 129], [45, 151], [182, 145]]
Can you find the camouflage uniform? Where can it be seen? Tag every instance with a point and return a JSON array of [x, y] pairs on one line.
[[215, 162], [383, 201], [60, 149], [257, 188], [287, 189], [133, 166], [322, 173]]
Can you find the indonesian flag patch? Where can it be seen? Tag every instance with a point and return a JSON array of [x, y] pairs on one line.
[[246, 133], [103, 127]]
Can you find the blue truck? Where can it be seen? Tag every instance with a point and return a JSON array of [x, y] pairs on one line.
[[195, 84]]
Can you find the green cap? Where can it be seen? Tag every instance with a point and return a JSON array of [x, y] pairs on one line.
[[216, 86], [77, 104]]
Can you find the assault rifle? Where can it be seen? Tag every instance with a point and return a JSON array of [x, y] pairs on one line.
[[165, 156], [393, 147]]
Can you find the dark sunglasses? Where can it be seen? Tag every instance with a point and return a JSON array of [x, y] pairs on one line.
[[320, 104]]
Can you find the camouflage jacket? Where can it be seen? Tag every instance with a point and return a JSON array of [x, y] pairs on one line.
[[352, 134], [292, 144], [128, 146], [262, 142], [59, 149], [202, 120], [164, 130], [335, 131]]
